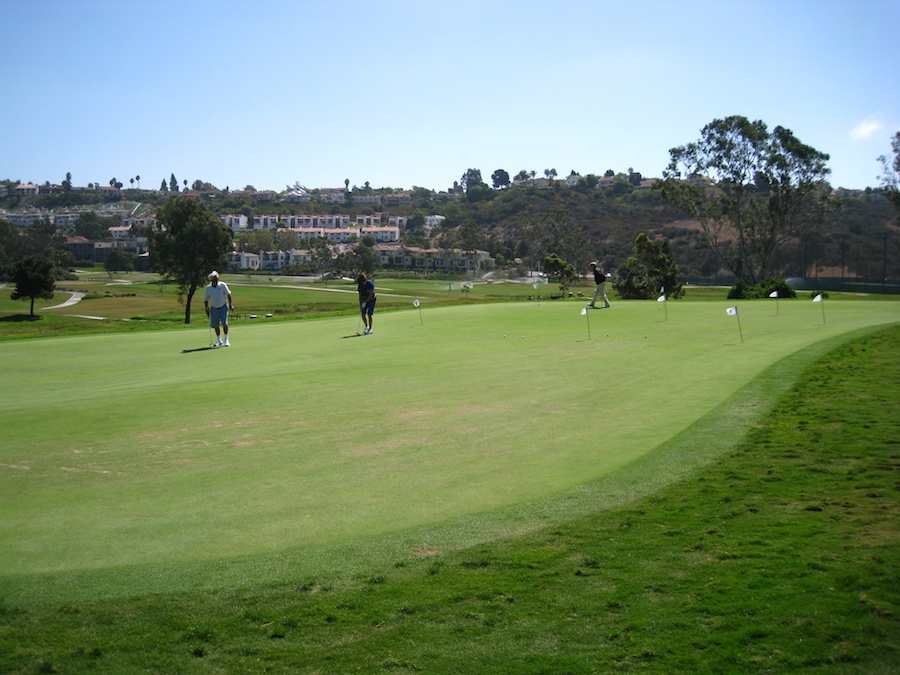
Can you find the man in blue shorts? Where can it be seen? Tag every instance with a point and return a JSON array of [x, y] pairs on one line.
[[217, 301], [366, 290]]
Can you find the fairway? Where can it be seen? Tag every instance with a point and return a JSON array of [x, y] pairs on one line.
[[304, 447]]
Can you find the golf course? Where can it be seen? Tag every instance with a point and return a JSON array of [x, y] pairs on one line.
[[138, 466]]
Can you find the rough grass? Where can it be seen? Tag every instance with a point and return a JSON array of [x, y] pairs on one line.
[[780, 556]]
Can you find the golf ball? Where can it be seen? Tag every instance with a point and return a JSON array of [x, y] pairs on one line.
[[523, 337]]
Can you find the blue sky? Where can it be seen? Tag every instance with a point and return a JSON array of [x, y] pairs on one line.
[[404, 93]]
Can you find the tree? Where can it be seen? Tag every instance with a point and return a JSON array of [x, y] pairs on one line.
[[119, 261], [550, 174], [890, 178], [320, 252], [33, 278], [189, 242], [91, 226], [471, 179], [500, 178], [746, 184], [173, 183], [257, 240], [649, 272], [560, 271]]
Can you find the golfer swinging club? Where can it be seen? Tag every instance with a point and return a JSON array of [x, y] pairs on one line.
[[366, 290], [217, 301], [600, 290]]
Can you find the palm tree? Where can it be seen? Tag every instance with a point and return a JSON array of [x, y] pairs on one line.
[[138, 179]]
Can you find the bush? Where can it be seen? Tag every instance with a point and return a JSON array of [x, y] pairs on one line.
[[741, 291]]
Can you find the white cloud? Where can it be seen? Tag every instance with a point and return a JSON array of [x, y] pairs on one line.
[[866, 129]]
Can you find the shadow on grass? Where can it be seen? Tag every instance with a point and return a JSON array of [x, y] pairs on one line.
[[19, 318]]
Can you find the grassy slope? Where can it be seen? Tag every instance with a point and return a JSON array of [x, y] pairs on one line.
[[780, 556]]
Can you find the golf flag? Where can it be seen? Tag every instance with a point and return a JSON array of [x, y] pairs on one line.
[[416, 302], [821, 300], [774, 294], [732, 311], [587, 315], [584, 311], [661, 298]]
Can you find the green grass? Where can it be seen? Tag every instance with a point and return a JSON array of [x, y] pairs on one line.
[[446, 493]]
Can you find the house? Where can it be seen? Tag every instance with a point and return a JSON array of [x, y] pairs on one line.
[[80, 247], [265, 222], [243, 261], [381, 234], [119, 232], [606, 181], [235, 222], [397, 198], [296, 195], [305, 232], [370, 220], [332, 196], [342, 236], [432, 222], [369, 200], [27, 189]]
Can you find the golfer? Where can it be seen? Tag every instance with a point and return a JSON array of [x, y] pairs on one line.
[[217, 302], [366, 290], [600, 279]]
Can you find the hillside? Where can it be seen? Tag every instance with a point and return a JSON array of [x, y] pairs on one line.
[[579, 223]]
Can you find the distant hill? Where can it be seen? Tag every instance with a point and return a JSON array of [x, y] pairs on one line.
[[581, 222]]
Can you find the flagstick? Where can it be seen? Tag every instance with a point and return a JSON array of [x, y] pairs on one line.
[[740, 332], [666, 305], [822, 302], [587, 315], [776, 305]]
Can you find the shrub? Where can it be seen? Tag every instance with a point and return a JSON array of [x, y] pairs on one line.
[[741, 291]]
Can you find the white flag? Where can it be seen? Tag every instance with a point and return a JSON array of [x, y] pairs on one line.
[[773, 294], [416, 302], [818, 298], [661, 298], [583, 311], [732, 311]]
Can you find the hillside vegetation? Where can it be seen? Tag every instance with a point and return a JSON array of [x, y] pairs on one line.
[[580, 223]]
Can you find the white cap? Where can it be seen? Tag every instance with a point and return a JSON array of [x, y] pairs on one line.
[[213, 275]]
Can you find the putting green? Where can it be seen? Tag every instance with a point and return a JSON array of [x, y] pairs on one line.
[[123, 452]]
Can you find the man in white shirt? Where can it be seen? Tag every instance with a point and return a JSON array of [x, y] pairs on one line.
[[217, 301]]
